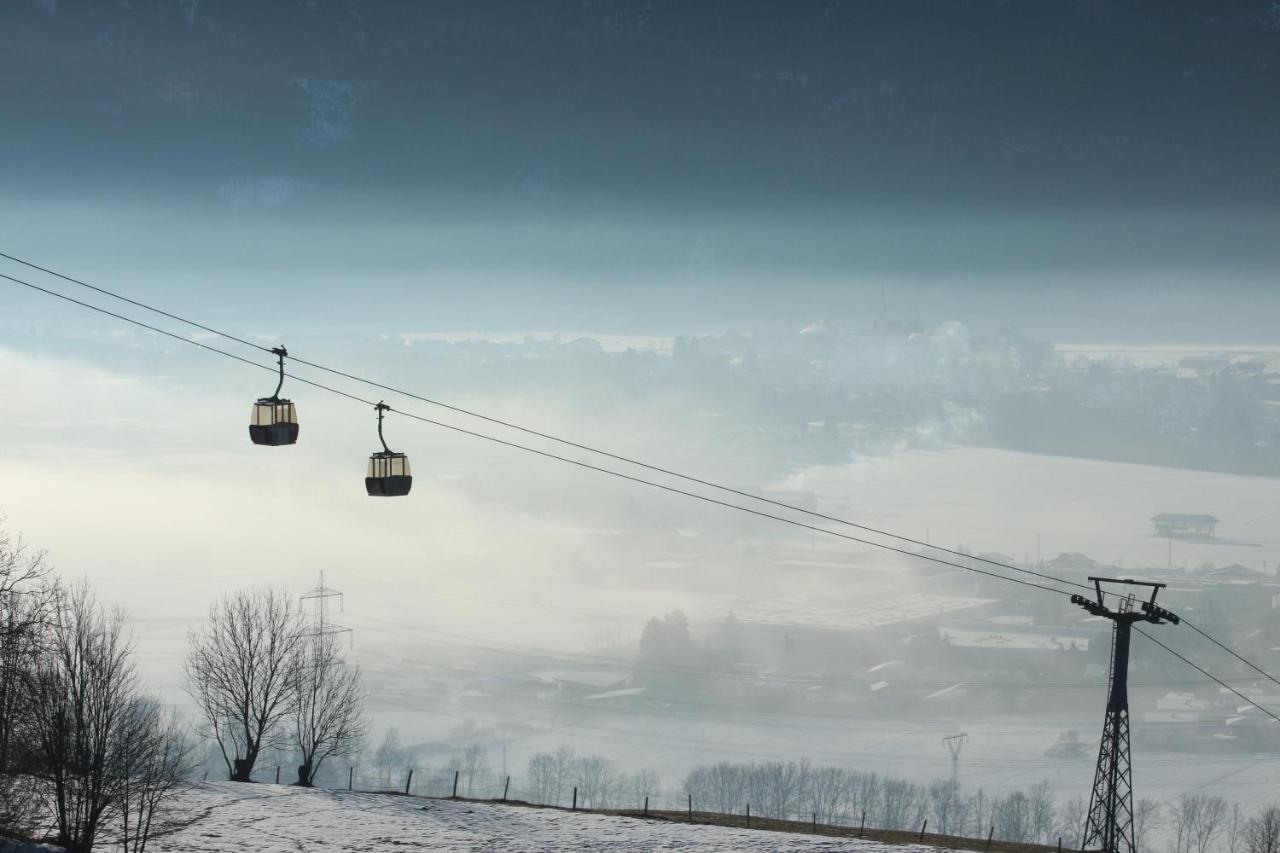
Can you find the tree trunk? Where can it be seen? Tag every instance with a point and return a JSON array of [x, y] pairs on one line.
[[304, 774], [243, 770]]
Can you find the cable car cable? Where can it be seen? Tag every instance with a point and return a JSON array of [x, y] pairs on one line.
[[543, 453], [639, 480], [726, 504], [135, 302], [1208, 674], [564, 441], [1230, 651], [178, 337]]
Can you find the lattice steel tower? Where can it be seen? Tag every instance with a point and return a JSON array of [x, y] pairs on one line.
[[1109, 825], [320, 624], [955, 743]]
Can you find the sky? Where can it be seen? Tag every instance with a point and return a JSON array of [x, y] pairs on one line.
[[1083, 170]]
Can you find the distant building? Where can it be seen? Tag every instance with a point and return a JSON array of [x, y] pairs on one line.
[[1180, 524]]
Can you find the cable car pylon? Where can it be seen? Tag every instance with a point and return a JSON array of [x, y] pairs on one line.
[[274, 420], [388, 475], [1109, 825]]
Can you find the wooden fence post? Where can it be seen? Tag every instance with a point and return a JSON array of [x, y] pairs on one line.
[[351, 777], [862, 825], [923, 828], [989, 836], [505, 788], [574, 807], [691, 808], [646, 806], [748, 815], [455, 783], [277, 774], [408, 781], [1059, 844]]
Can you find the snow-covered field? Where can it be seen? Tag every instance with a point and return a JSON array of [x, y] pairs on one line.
[[274, 819]]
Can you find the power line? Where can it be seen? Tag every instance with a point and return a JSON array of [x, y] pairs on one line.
[[558, 439]]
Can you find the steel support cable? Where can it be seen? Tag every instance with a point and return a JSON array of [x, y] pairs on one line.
[[1231, 652], [134, 302], [604, 470], [1208, 674], [560, 440], [543, 453], [178, 337], [717, 502]]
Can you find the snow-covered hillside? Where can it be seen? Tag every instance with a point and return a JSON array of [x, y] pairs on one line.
[[272, 819]]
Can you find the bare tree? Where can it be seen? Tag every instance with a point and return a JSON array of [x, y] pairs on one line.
[[89, 727], [239, 671], [720, 786], [827, 793], [756, 786], [24, 581], [564, 771], [26, 594], [1262, 833], [1209, 822], [1013, 817], [474, 766], [1071, 820], [643, 784], [944, 802], [1197, 821], [1040, 800], [897, 799], [595, 777], [866, 795], [783, 788], [981, 812], [388, 755], [542, 778], [1236, 827], [159, 771], [328, 718], [1147, 818]]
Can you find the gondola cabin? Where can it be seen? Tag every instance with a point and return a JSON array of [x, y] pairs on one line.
[[388, 475], [273, 422]]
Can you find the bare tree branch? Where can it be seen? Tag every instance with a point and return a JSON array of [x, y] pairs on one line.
[[328, 706], [241, 671]]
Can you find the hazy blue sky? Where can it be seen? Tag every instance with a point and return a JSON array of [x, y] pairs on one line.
[[1085, 169]]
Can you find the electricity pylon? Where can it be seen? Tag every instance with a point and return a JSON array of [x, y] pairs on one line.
[[955, 743], [1109, 825], [320, 624]]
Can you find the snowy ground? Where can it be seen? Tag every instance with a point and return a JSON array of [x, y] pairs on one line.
[[273, 819]]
